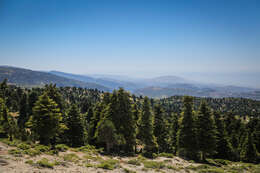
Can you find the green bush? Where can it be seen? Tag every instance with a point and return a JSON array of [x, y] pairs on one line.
[[153, 164], [212, 170], [13, 143], [32, 152], [200, 167], [128, 171], [134, 162], [71, 157], [62, 147], [23, 146], [30, 162], [94, 158], [89, 149], [109, 164], [173, 167], [167, 155], [15, 152], [222, 162], [88, 165], [45, 163], [42, 148]]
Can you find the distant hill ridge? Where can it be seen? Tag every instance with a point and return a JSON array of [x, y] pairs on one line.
[[158, 87], [30, 78]]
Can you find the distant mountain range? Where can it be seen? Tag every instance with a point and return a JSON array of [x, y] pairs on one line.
[[30, 78], [159, 87]]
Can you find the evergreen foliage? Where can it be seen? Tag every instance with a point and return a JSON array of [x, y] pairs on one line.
[[46, 119], [76, 132], [249, 152], [146, 129], [124, 123], [162, 129], [224, 148], [206, 131], [186, 136]]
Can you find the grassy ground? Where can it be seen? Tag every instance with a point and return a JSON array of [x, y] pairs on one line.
[[25, 157]]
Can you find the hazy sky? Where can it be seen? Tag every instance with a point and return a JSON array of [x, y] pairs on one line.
[[135, 38]]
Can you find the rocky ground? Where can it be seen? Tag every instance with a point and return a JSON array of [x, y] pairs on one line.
[[21, 159]]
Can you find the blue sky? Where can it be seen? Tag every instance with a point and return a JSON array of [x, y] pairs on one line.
[[143, 38]]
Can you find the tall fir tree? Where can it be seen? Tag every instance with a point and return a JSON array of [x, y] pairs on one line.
[[146, 129], [23, 112], [174, 126], [46, 119], [224, 148], [162, 129], [206, 131], [76, 131], [249, 152], [93, 123], [127, 120], [186, 136], [106, 131]]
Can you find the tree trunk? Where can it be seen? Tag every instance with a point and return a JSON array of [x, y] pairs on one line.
[[108, 147], [203, 157]]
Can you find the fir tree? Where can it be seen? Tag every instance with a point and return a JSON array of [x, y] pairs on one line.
[[23, 112], [206, 131], [76, 131], [93, 123], [174, 126], [224, 148], [161, 129], [8, 126], [106, 131], [146, 129], [186, 136], [46, 119], [248, 152]]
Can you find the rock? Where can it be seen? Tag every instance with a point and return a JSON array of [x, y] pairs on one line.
[[3, 162]]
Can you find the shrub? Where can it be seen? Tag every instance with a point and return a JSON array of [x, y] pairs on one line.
[[15, 152], [109, 164], [128, 171], [89, 149], [71, 157], [57, 162], [134, 162], [94, 158], [88, 165], [173, 167], [62, 147], [30, 162], [167, 155], [222, 162], [45, 163], [153, 164], [23, 146], [42, 148], [32, 152], [200, 167], [13, 143], [212, 170]]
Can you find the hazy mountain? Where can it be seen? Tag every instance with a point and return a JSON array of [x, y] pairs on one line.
[[104, 80], [165, 86], [30, 78], [159, 87]]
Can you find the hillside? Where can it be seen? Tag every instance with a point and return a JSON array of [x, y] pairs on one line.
[[16, 157], [164, 86], [30, 78], [104, 81], [238, 106]]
